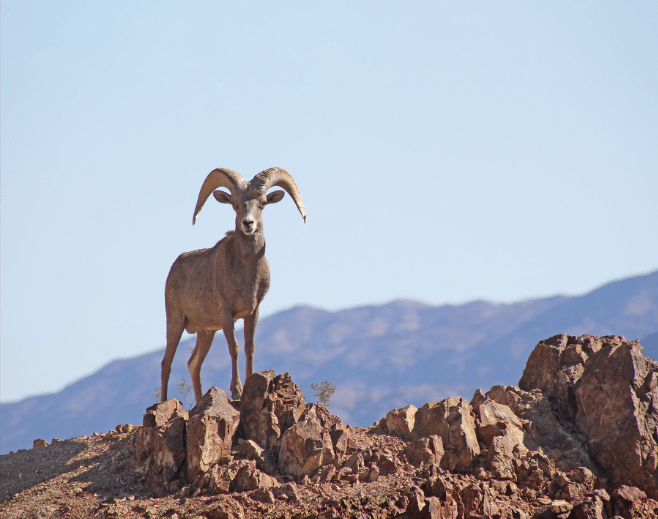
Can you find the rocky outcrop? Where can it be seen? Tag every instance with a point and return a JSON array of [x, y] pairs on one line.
[[280, 437], [312, 442], [270, 405], [160, 445], [210, 430], [576, 440], [604, 389]]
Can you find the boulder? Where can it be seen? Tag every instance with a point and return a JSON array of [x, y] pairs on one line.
[[400, 422], [249, 478], [307, 445], [270, 405], [617, 400], [632, 503], [425, 451], [451, 419], [557, 363], [541, 427], [210, 430], [251, 450], [160, 443], [502, 433], [595, 400], [160, 414]]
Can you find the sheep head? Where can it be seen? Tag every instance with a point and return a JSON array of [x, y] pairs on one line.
[[249, 198]]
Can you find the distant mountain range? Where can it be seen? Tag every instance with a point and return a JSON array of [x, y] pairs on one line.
[[378, 357]]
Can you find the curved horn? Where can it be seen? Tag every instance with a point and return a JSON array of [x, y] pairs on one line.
[[279, 177], [219, 177]]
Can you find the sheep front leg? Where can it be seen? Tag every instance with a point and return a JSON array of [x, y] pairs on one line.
[[234, 350], [249, 345]]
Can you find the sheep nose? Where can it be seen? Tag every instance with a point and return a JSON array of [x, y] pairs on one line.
[[248, 222]]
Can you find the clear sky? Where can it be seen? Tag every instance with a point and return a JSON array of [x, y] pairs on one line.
[[446, 151]]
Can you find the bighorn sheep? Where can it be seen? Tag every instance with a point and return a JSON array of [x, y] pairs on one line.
[[209, 289]]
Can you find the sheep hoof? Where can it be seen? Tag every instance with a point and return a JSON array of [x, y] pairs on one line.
[[236, 393]]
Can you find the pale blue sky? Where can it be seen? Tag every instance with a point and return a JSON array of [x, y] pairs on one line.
[[446, 151]]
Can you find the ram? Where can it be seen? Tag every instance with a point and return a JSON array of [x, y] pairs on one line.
[[209, 289]]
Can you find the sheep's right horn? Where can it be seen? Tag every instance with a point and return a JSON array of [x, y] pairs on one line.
[[219, 177]]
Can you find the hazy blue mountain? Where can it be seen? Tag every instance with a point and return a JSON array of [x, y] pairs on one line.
[[379, 357]]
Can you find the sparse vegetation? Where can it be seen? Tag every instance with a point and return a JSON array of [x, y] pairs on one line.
[[185, 389], [324, 391]]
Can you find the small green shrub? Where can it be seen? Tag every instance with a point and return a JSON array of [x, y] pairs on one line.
[[324, 392]]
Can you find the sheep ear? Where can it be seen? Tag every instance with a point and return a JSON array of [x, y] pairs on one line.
[[222, 197], [275, 196]]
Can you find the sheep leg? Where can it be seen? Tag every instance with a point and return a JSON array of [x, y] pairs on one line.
[[234, 350], [249, 345], [174, 331], [203, 344]]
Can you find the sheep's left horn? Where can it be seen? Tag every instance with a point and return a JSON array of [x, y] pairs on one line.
[[219, 177], [281, 178]]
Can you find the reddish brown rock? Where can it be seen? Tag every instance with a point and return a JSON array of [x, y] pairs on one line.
[[386, 463], [542, 428], [400, 422], [210, 430], [451, 419], [557, 363], [425, 451], [160, 450], [501, 432], [160, 414], [270, 405], [306, 446], [249, 478], [615, 399], [632, 503], [251, 450], [602, 390]]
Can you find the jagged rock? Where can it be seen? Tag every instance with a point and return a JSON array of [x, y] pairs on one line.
[[632, 503], [386, 463], [287, 492], [324, 474], [210, 430], [400, 422], [451, 419], [425, 450], [249, 478], [307, 445], [251, 450], [501, 432], [449, 496], [557, 363], [264, 495], [159, 414], [592, 507], [270, 405], [604, 389], [615, 408], [542, 428], [355, 462], [160, 443]]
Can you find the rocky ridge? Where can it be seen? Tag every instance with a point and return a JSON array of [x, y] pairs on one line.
[[576, 439]]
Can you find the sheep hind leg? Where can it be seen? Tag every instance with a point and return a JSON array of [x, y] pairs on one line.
[[174, 332], [203, 344], [234, 350]]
